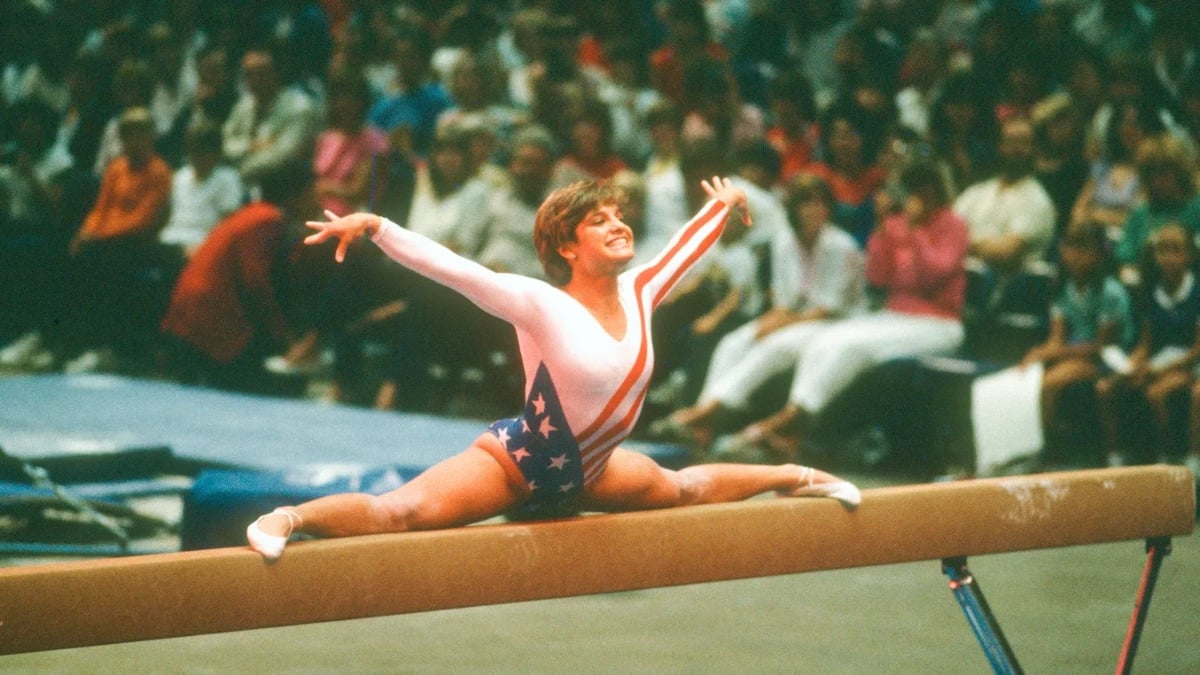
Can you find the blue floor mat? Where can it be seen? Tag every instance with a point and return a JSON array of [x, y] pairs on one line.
[[49, 415]]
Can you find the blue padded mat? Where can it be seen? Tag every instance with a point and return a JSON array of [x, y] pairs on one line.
[[46, 415]]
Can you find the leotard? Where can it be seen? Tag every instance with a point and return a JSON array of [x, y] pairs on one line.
[[584, 388]]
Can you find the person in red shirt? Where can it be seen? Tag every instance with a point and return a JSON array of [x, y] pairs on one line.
[[226, 312]]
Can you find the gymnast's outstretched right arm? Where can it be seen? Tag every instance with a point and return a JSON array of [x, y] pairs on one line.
[[507, 296]]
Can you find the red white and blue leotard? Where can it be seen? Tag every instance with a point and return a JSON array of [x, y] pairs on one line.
[[584, 388]]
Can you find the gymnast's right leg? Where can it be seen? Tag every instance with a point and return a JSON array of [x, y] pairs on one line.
[[466, 488]]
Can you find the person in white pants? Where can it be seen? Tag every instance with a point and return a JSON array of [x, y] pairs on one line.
[[918, 257], [817, 278]]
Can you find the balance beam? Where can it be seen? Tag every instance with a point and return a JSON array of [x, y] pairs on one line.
[[105, 601]]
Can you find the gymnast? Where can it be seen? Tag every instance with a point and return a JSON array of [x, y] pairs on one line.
[[586, 353]]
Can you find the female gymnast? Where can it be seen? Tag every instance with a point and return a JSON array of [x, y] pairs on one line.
[[585, 347]]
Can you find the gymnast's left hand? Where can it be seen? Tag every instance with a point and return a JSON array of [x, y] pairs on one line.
[[733, 196], [344, 228]]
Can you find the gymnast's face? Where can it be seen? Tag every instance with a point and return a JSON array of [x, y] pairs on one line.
[[602, 240]]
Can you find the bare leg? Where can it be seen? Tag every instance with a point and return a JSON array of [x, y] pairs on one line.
[[633, 481], [1107, 390], [463, 489], [1158, 395]]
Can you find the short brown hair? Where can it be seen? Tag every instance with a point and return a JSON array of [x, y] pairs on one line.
[[560, 214]]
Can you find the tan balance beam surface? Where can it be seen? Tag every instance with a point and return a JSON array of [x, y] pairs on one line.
[[156, 596]]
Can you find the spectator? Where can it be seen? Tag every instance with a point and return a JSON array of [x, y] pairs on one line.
[[688, 40], [273, 124], [132, 87], [203, 192], [1090, 312], [1112, 188], [714, 108], [33, 236], [348, 153], [213, 99], [795, 134], [1162, 364], [1166, 171], [510, 211], [849, 167], [174, 86], [114, 245], [1059, 162], [664, 123], [408, 112], [1010, 217], [963, 130], [816, 279], [916, 257], [590, 154], [921, 76]]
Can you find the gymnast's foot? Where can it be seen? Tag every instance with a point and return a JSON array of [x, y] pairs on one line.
[[269, 533], [814, 483]]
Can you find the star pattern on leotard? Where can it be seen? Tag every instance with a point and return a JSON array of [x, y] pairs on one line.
[[541, 444]]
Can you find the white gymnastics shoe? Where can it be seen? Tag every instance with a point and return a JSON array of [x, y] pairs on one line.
[[271, 545], [843, 491]]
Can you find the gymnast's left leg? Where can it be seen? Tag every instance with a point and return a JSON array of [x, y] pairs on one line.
[[632, 481]]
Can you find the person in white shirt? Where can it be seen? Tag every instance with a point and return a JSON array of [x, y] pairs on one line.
[[816, 278], [1010, 217], [203, 191]]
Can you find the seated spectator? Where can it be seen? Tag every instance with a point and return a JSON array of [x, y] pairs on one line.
[[273, 124], [816, 279], [1059, 162], [1010, 217], [795, 134], [203, 191], [1091, 311], [1113, 188], [1166, 171], [916, 257], [714, 108], [589, 154], [213, 99], [132, 87], [33, 236], [849, 168], [409, 110], [962, 129], [1162, 364], [348, 151], [664, 123], [114, 246]]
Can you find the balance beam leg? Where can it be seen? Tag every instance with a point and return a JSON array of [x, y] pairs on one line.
[[970, 598], [1156, 550]]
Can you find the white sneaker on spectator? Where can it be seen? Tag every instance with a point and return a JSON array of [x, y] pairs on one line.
[[18, 352], [91, 361]]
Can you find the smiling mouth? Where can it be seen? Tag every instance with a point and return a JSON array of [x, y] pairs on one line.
[[618, 241]]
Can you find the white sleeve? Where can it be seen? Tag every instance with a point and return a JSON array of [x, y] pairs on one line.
[[508, 296]]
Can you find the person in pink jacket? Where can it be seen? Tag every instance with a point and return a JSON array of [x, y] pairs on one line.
[[916, 257]]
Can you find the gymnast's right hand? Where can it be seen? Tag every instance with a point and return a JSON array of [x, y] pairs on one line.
[[344, 228]]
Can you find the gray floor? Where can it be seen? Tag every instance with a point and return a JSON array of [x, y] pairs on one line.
[[1063, 610]]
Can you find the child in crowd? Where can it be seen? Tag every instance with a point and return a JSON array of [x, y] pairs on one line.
[[1162, 364], [1090, 312]]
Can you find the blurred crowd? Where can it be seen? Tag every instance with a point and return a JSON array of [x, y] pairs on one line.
[[1006, 181]]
